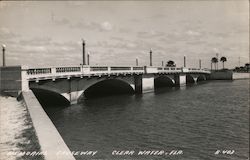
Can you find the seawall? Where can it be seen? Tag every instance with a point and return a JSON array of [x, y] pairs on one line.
[[49, 138], [10, 80], [237, 75], [221, 75]]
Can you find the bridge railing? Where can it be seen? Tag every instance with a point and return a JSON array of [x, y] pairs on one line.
[[104, 70], [97, 70], [52, 72], [38, 72], [167, 70], [195, 70]]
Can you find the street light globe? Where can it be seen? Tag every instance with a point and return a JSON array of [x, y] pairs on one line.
[[83, 41], [3, 45]]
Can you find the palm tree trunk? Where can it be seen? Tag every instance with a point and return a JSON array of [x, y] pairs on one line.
[[223, 64]]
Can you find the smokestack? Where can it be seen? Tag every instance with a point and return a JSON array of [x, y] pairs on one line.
[[136, 61], [150, 57], [83, 52], [200, 63]]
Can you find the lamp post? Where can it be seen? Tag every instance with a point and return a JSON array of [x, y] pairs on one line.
[[184, 61], [217, 56], [4, 46], [150, 54], [83, 52], [199, 63], [88, 59]]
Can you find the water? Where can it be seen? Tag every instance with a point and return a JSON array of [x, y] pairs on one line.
[[17, 133], [197, 120]]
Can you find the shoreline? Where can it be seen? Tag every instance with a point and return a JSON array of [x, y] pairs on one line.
[[16, 130], [239, 75], [49, 138]]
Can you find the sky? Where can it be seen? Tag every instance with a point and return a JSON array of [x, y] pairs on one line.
[[43, 33]]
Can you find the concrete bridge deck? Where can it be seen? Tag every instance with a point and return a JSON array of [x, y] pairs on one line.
[[35, 73], [71, 82]]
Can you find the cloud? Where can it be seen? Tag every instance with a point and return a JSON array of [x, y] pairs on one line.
[[106, 26], [158, 16], [63, 21], [36, 41], [85, 25], [216, 50], [35, 53], [192, 33], [34, 49], [42, 45], [6, 33], [150, 34], [4, 4], [124, 30], [76, 3]]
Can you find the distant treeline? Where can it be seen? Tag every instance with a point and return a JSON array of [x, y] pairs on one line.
[[245, 68]]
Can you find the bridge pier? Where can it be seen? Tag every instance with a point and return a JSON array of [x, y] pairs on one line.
[[74, 90], [72, 97], [180, 79], [147, 83], [195, 80], [195, 77], [138, 83]]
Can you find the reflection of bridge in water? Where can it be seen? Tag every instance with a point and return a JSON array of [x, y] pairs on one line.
[[77, 81]]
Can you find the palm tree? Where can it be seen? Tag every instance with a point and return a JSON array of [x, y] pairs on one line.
[[223, 59], [214, 60], [170, 63], [237, 69]]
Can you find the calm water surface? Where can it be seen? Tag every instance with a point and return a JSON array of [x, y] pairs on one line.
[[197, 119]]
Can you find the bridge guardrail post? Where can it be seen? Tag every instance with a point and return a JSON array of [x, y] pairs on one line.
[[184, 70], [109, 70], [53, 71], [85, 70]]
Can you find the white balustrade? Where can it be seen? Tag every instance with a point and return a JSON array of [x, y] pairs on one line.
[[53, 72]]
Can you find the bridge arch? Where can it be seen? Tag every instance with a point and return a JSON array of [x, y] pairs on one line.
[[48, 96], [194, 78], [201, 77], [190, 78], [164, 81], [108, 86]]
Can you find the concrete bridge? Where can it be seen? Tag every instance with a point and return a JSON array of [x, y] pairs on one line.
[[74, 82]]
